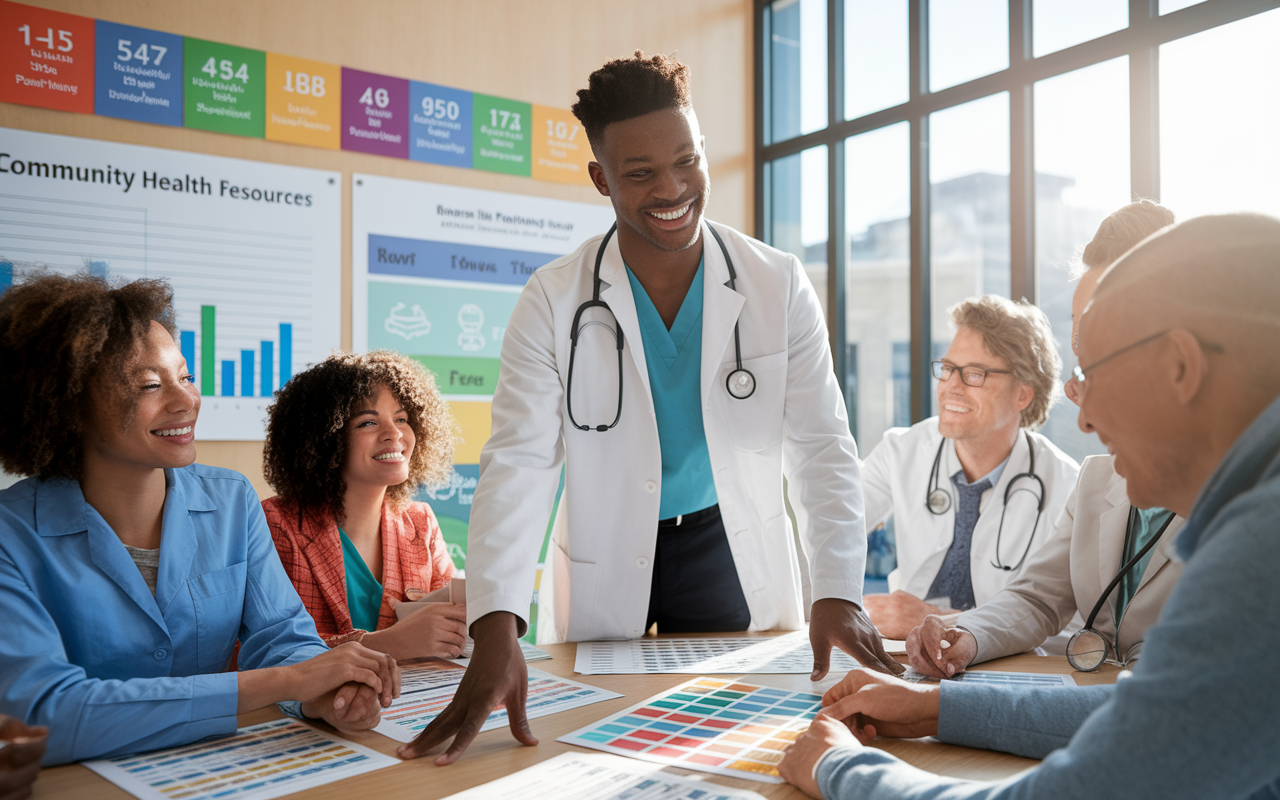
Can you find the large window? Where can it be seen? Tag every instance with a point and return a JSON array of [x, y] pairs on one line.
[[913, 153]]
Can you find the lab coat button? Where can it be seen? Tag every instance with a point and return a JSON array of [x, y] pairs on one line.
[[650, 486], [160, 654], [642, 562]]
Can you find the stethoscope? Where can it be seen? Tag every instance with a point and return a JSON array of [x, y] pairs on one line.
[[938, 500], [1082, 651], [740, 384]]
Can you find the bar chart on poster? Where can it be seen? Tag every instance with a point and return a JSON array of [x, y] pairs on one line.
[[436, 272], [251, 250]]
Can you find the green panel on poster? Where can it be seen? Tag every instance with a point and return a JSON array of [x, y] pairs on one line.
[[225, 88], [500, 140]]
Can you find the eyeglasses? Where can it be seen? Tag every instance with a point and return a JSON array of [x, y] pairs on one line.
[[971, 375], [1081, 373]]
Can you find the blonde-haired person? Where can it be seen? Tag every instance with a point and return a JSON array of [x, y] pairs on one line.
[[348, 443], [973, 491], [1098, 534]]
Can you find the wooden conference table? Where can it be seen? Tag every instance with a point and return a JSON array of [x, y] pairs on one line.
[[494, 753]]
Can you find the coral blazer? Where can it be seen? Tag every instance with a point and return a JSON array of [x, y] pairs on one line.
[[414, 556]]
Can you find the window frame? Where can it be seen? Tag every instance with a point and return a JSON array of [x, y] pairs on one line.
[[1140, 41]]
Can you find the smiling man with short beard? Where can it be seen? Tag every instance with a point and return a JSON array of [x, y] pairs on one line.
[[678, 370]]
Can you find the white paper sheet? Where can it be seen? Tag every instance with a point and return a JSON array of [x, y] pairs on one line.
[[789, 653], [993, 678], [255, 763], [426, 690], [597, 776]]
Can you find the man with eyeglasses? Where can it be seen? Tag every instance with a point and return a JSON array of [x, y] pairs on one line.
[[1181, 381], [972, 491]]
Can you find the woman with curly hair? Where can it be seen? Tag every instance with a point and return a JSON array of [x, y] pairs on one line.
[[348, 443], [127, 572]]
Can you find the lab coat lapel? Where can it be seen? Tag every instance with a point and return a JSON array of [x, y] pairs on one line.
[[1159, 555], [622, 303], [178, 543], [1115, 518], [720, 309]]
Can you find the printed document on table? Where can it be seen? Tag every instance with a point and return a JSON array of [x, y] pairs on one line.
[[597, 776], [255, 763], [426, 690], [787, 654], [1031, 680]]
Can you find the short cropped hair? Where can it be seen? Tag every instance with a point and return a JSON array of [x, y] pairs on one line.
[[1020, 334], [626, 88], [60, 335], [1119, 233], [306, 444]]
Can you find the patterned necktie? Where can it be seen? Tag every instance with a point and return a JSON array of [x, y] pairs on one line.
[[953, 580]]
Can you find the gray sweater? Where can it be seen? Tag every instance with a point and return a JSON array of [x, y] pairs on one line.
[[1200, 716]]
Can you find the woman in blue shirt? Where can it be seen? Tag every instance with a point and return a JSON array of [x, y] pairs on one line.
[[128, 573]]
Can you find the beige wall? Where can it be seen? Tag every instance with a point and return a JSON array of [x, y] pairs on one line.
[[537, 52]]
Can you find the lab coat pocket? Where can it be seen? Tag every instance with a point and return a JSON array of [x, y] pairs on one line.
[[218, 597], [755, 422], [577, 587]]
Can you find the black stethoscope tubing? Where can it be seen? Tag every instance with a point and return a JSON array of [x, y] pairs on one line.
[[1128, 565], [739, 376], [938, 500]]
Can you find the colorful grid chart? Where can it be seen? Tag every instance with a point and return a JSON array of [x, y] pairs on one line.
[[256, 763], [426, 690], [718, 726], [787, 654], [73, 63]]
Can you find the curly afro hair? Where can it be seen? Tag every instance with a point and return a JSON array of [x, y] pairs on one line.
[[306, 443], [626, 88], [58, 333]]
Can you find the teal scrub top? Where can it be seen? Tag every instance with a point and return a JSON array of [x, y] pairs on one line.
[[1150, 521], [364, 592], [674, 359]]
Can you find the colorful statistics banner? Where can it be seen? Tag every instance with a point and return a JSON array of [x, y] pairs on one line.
[[72, 63], [252, 251], [436, 272]]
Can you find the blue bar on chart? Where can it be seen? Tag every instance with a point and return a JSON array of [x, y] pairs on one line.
[[286, 352], [228, 379], [267, 388], [6, 275], [246, 373], [187, 343], [98, 268]]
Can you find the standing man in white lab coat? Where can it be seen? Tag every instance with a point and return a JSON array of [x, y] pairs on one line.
[[972, 491], [676, 404]]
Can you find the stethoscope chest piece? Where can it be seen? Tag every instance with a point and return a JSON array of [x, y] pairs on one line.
[[741, 384], [939, 501]]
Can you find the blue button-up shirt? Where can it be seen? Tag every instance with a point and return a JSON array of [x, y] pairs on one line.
[[87, 649]]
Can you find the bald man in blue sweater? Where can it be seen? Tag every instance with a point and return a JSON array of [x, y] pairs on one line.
[[1181, 381]]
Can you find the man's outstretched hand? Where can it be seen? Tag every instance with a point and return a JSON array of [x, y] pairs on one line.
[[839, 623], [496, 674]]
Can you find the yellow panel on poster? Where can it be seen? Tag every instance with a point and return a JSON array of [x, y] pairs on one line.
[[473, 419], [304, 101], [560, 151]]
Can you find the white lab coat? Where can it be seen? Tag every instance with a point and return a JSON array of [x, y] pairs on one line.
[[896, 479], [600, 558]]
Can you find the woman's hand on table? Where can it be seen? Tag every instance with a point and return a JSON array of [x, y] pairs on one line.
[[352, 707], [799, 764], [21, 748], [938, 651], [340, 668], [838, 623], [872, 704], [437, 630], [894, 615], [496, 674]]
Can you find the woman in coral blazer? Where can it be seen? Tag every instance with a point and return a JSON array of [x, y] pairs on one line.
[[348, 443]]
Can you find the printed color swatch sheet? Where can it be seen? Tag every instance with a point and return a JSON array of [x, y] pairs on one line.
[[425, 691], [255, 763], [787, 654], [720, 726], [1030, 680]]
